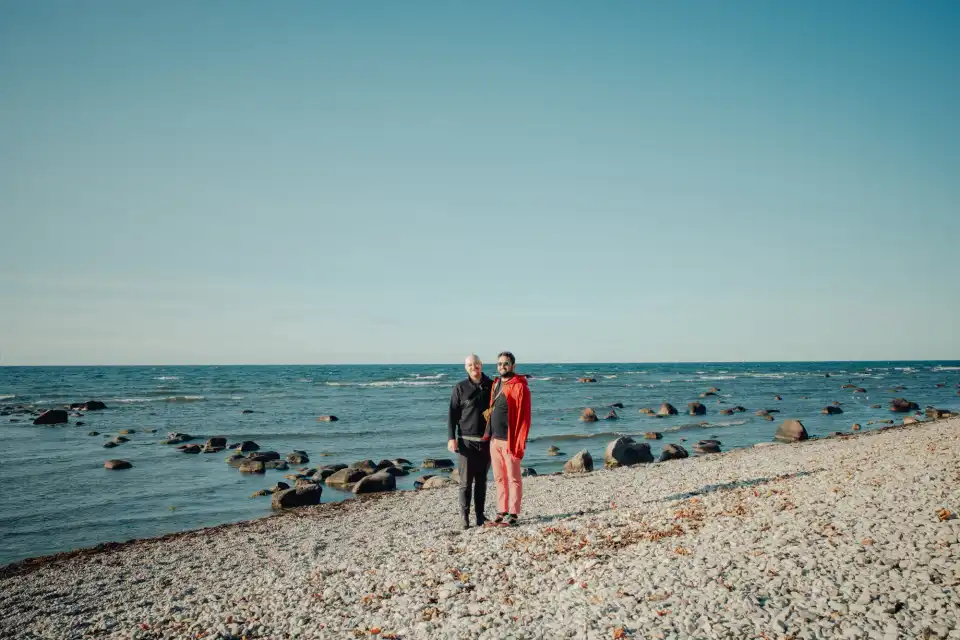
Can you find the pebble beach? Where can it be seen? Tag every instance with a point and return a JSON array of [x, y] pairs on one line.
[[844, 537]]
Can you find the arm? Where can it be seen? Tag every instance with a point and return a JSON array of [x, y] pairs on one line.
[[453, 416], [523, 421]]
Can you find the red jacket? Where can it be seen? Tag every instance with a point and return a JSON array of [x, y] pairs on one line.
[[517, 392]]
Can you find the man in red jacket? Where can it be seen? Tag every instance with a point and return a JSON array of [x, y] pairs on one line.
[[508, 428]]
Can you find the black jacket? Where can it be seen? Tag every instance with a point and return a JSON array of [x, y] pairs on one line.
[[467, 403]]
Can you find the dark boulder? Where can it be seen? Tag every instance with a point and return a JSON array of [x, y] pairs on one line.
[[279, 465], [367, 466], [588, 415], [707, 446], [899, 405], [236, 459], [93, 433], [399, 471], [298, 457], [528, 472], [327, 419], [345, 477], [252, 466], [831, 410], [616, 405], [624, 451], [437, 463], [667, 409], [611, 416], [190, 448], [53, 416], [263, 456], [401, 462], [302, 496], [580, 463], [217, 443], [247, 411], [248, 445], [696, 408], [653, 435], [110, 444], [93, 405], [673, 452], [176, 438], [117, 464], [376, 483]]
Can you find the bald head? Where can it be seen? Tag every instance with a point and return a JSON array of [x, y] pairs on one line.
[[474, 366]]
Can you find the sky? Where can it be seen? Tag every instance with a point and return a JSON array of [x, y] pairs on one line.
[[382, 182]]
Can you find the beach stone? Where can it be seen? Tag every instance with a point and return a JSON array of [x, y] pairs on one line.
[[435, 482], [647, 411], [553, 451], [248, 445], [667, 409], [247, 411], [696, 408], [280, 486], [189, 448], [304, 482], [580, 463], [261, 493], [937, 414], [528, 472], [333, 467], [217, 443], [236, 459], [327, 419], [252, 466], [125, 432], [122, 439], [279, 465], [53, 416], [437, 463], [611, 416], [367, 466], [93, 405], [855, 427], [93, 433], [899, 405], [263, 456], [175, 437], [117, 464], [778, 397], [383, 464], [586, 379], [345, 477], [298, 457], [860, 390], [653, 435], [588, 415], [624, 451], [673, 452], [110, 444], [301, 496], [616, 405], [791, 431], [419, 482], [831, 410], [401, 462], [910, 420], [376, 483], [707, 446]]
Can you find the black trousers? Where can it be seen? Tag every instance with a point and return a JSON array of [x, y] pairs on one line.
[[474, 465]]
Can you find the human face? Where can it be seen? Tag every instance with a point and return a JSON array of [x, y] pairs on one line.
[[474, 368], [504, 367]]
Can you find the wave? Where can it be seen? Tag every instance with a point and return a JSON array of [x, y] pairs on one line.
[[167, 378], [680, 380], [159, 399], [434, 377], [7, 396], [583, 436], [719, 377], [937, 368], [708, 425], [609, 377]]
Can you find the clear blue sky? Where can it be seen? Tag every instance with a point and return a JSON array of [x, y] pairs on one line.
[[323, 182]]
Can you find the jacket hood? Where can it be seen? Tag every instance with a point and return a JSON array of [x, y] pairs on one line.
[[518, 378]]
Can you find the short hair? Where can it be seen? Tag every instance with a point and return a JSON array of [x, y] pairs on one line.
[[472, 356], [507, 354]]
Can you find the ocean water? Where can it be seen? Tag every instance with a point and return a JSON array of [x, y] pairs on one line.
[[55, 494]]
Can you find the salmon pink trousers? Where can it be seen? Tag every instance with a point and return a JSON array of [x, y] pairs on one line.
[[506, 475]]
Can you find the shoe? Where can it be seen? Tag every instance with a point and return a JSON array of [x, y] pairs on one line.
[[510, 520], [464, 522], [496, 522], [481, 520]]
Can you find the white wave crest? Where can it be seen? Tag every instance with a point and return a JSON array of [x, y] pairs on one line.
[[434, 377], [610, 377], [7, 396], [167, 378], [400, 383], [133, 400], [937, 368], [718, 377]]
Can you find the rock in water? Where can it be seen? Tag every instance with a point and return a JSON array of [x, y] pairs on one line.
[[667, 409], [94, 405], [588, 415], [436, 482], [437, 463], [117, 464], [367, 466], [696, 408], [831, 410], [673, 452], [792, 431], [263, 456], [624, 451], [586, 379], [376, 483], [707, 446], [248, 445], [345, 477], [528, 472], [612, 416], [653, 435], [301, 496], [327, 419], [580, 463], [53, 416], [899, 405], [251, 466]]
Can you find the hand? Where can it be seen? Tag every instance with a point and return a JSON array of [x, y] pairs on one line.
[[452, 446]]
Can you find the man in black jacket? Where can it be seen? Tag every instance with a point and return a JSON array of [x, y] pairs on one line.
[[470, 398]]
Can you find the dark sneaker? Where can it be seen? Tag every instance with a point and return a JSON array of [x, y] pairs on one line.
[[464, 522], [481, 520], [510, 520]]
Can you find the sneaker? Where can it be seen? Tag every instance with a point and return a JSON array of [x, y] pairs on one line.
[[496, 522], [481, 520], [464, 522], [510, 520]]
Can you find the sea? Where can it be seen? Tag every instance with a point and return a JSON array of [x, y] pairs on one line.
[[55, 494]]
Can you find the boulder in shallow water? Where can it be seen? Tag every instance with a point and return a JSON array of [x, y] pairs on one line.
[[190, 448], [855, 427], [611, 416], [791, 431], [236, 459], [586, 379], [937, 414], [252, 466], [327, 419], [436, 482], [580, 463], [707, 446], [400, 471], [110, 444], [673, 452], [625, 451], [263, 456], [696, 408], [217, 443], [376, 483], [94, 433], [279, 465], [248, 445], [93, 405], [616, 405], [247, 411], [528, 472], [401, 462], [667, 409], [653, 435], [302, 496], [125, 432], [831, 410], [437, 463], [367, 466], [419, 482], [910, 420], [174, 437], [53, 416], [117, 464], [647, 411], [345, 477], [899, 405], [588, 415], [554, 451], [298, 457]]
